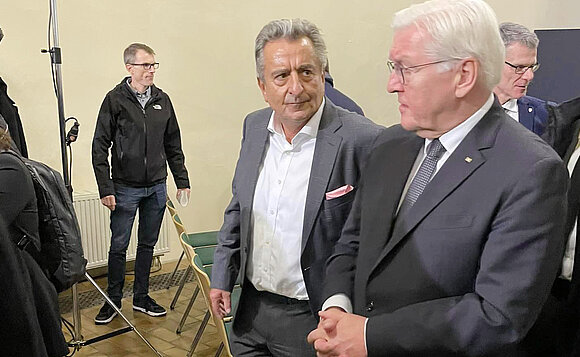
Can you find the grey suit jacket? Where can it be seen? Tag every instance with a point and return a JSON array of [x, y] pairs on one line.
[[343, 142], [466, 272]]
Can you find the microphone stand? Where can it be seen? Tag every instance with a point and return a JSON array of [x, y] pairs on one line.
[[56, 62]]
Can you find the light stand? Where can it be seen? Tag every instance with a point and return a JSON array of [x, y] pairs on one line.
[[65, 140]]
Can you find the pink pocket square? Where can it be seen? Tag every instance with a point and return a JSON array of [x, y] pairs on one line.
[[341, 191]]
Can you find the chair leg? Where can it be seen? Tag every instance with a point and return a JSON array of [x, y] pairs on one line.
[[181, 284], [219, 350], [187, 310], [174, 271], [199, 333]]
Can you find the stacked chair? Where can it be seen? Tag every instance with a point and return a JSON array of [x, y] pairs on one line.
[[205, 244], [199, 248], [202, 274]]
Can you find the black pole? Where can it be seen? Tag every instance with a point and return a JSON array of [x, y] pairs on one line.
[[56, 62]]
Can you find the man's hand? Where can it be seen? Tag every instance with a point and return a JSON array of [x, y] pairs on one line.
[[220, 302], [339, 334], [109, 202], [183, 191]]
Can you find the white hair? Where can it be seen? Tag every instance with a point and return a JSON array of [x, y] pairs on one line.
[[515, 33], [459, 29]]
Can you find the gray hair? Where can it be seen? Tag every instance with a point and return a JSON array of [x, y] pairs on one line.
[[459, 29], [515, 33], [131, 51], [293, 30]]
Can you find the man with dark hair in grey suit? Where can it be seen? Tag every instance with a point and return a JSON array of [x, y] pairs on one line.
[[293, 187]]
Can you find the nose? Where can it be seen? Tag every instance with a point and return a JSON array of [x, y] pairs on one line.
[[394, 84], [295, 86], [528, 75]]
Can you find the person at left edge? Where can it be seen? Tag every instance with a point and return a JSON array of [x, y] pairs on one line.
[[293, 187], [138, 120]]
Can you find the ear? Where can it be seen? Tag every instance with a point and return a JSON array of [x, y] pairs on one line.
[[128, 67], [466, 77], [262, 87]]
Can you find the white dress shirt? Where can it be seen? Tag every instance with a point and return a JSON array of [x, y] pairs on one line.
[[568, 260], [511, 108], [278, 210]]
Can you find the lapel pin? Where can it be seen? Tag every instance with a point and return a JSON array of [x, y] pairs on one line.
[[468, 159], [530, 110]]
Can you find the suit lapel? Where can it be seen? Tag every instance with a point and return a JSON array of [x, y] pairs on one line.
[[323, 162], [526, 115], [464, 161], [574, 141], [389, 180], [257, 139]]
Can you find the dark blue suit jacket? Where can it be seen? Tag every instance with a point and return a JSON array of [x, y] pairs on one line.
[[339, 98], [533, 114]]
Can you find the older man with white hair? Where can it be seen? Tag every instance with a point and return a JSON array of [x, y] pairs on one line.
[[447, 250]]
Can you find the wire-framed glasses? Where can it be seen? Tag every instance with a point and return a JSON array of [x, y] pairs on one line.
[[522, 69], [401, 70]]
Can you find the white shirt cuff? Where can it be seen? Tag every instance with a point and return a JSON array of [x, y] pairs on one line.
[[365, 336], [338, 300]]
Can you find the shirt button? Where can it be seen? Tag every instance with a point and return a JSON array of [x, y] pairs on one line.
[[279, 182], [370, 306], [272, 212]]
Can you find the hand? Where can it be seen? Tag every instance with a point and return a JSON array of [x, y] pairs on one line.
[[181, 191], [339, 334], [220, 302], [109, 202]]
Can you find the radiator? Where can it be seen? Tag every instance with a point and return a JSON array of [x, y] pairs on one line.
[[94, 222]]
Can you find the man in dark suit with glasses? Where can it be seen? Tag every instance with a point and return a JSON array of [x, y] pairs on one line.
[[521, 53]]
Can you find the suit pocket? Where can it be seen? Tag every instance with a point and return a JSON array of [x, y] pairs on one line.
[[346, 198], [335, 212], [448, 222]]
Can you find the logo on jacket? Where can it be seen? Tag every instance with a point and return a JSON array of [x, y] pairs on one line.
[[157, 106]]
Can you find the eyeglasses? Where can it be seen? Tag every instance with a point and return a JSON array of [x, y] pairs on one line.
[[523, 69], [400, 70], [146, 66]]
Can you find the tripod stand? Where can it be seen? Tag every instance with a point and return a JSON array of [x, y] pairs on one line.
[[56, 62]]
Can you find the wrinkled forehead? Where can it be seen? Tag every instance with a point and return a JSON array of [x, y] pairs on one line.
[[521, 52], [143, 55], [409, 42]]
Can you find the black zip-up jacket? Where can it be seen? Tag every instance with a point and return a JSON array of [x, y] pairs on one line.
[[143, 140]]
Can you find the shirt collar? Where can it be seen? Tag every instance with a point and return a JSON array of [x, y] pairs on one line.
[[451, 139], [511, 105], [310, 128], [145, 94]]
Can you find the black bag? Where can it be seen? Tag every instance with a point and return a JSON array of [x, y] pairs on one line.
[[61, 253]]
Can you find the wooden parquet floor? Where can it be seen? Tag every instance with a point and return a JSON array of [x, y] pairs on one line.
[[160, 331]]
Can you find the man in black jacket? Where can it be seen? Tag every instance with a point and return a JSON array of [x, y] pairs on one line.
[[138, 119]]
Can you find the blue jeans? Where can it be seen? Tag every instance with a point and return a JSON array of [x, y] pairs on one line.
[[151, 204]]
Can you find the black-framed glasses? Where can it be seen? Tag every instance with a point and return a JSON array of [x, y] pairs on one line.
[[523, 69], [146, 66], [400, 70]]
